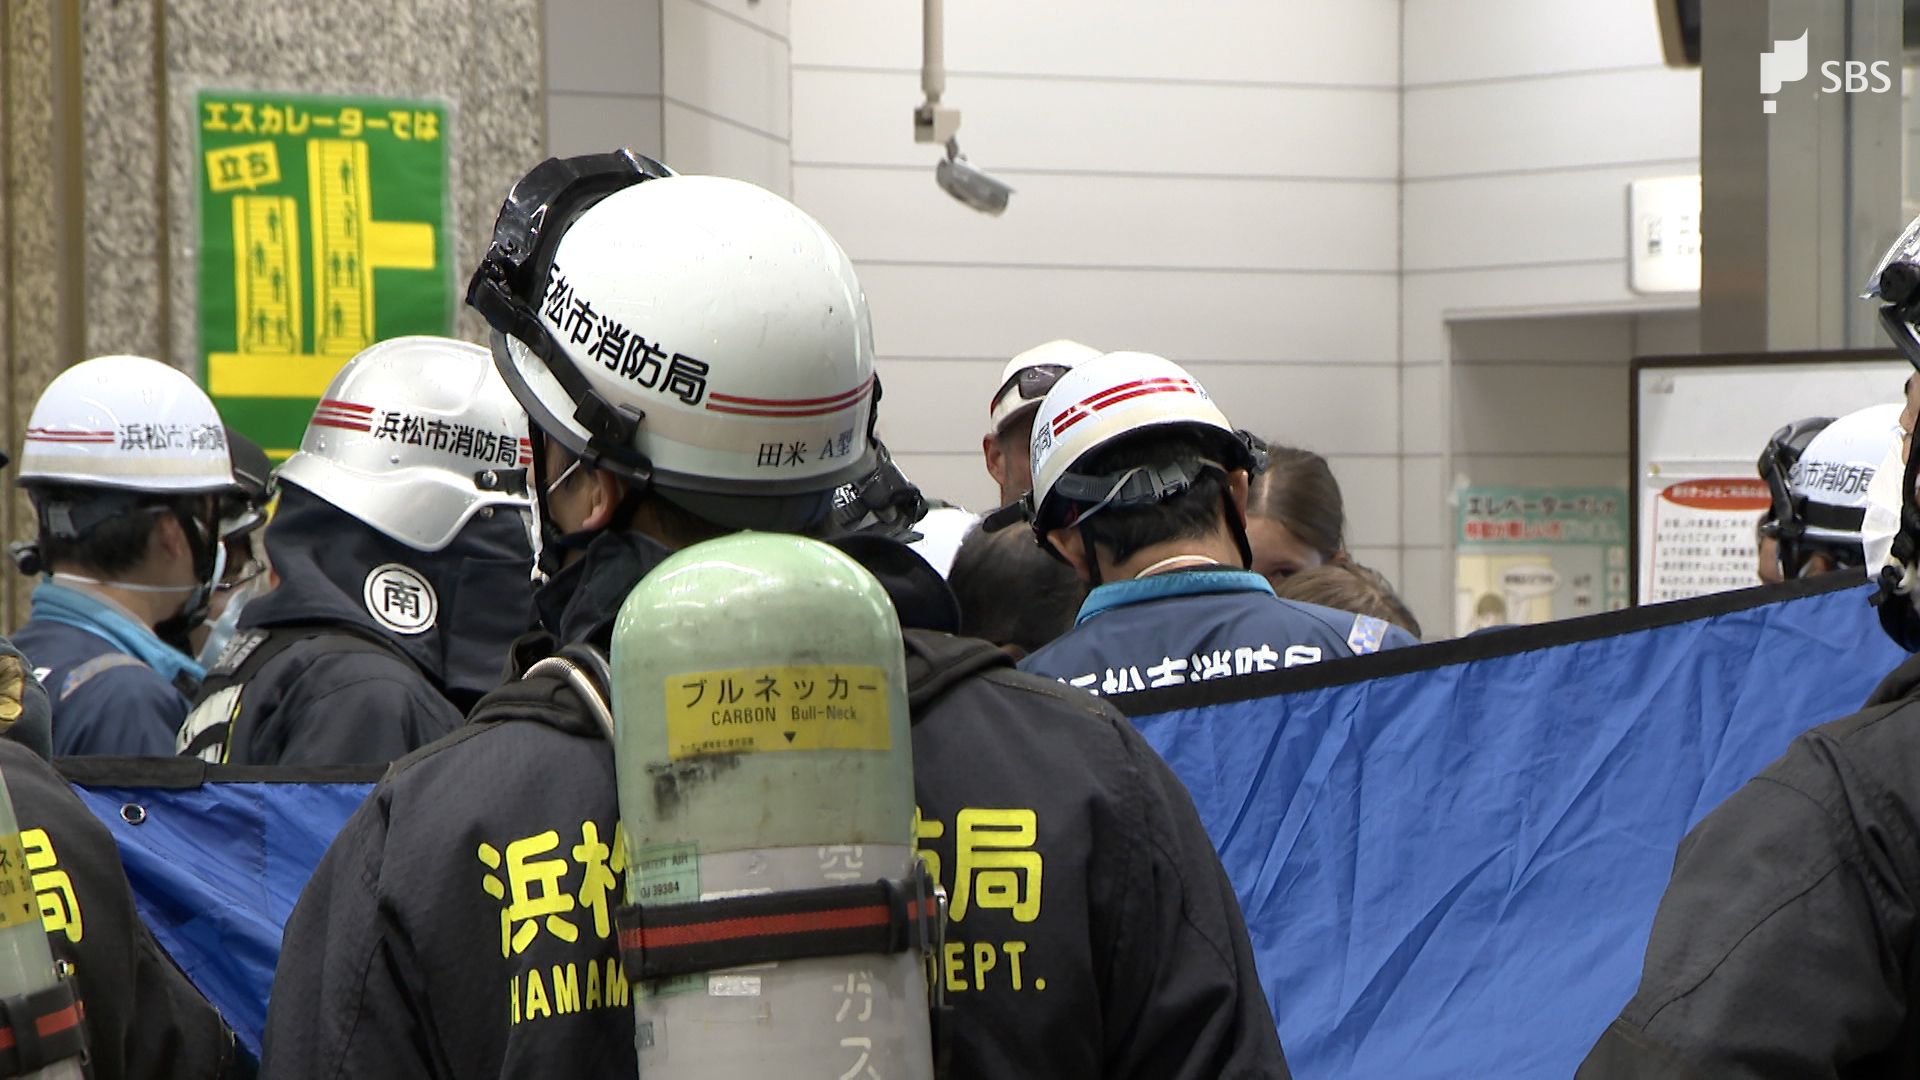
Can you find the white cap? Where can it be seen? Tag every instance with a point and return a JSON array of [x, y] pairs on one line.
[[1833, 472], [1114, 396], [127, 423], [1009, 401], [413, 437]]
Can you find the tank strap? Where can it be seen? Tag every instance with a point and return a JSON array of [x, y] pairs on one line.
[[40, 1029], [658, 941]]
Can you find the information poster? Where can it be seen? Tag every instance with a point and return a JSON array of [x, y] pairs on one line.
[[323, 229], [1703, 537], [1534, 554]]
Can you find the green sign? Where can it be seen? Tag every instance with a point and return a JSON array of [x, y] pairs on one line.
[[1531, 554], [323, 229]]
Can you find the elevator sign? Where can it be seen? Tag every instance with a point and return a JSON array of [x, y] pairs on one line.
[[323, 229]]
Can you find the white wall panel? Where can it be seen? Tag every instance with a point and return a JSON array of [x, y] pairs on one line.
[[1426, 512], [1430, 299], [1575, 470], [1518, 219], [864, 117], [1561, 339], [997, 311], [1423, 409], [1266, 41], [597, 123], [1370, 488], [701, 144], [722, 66], [1540, 409], [1111, 221], [1426, 586], [602, 47], [1331, 410], [1452, 40], [1643, 115], [958, 477]]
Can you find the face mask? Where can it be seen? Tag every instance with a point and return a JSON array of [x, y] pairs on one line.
[[174, 631], [530, 520], [1882, 520], [224, 627]]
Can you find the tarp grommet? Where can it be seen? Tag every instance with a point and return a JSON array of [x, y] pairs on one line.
[[133, 813]]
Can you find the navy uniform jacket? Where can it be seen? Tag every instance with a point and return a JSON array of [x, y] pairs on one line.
[[104, 701], [1196, 625], [324, 701], [319, 704], [1113, 947], [1788, 941], [144, 1019]]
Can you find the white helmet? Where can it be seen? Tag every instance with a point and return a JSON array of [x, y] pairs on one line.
[[1106, 399], [413, 437], [1028, 376], [693, 332], [1827, 487], [126, 423]]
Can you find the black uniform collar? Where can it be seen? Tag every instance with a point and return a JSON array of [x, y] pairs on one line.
[[1901, 683], [582, 601]]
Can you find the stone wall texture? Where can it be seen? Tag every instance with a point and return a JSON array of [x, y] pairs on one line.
[[98, 173]]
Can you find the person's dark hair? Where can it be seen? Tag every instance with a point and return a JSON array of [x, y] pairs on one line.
[[1348, 586], [1298, 491], [1195, 512], [1011, 592], [114, 545], [678, 526]]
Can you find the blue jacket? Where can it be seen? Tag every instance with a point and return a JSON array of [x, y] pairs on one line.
[[97, 665], [1195, 625]]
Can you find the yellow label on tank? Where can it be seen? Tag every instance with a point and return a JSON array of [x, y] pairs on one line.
[[17, 903], [759, 710]]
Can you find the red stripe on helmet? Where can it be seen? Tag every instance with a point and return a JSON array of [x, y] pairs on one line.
[[711, 407], [348, 406], [778, 403], [1146, 390], [328, 421]]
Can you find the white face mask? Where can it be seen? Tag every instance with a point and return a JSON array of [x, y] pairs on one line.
[[1882, 521], [225, 626]]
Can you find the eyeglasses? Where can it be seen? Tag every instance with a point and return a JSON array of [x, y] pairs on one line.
[[1032, 382]]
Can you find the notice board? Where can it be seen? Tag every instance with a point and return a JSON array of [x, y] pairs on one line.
[[1698, 425]]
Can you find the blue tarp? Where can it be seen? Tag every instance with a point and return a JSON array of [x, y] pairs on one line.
[[215, 870], [1453, 872], [1447, 872]]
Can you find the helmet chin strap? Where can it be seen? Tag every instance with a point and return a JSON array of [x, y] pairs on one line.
[[1897, 580]]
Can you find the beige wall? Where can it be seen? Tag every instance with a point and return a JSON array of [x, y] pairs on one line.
[[1302, 201], [1524, 122], [701, 84], [1216, 182]]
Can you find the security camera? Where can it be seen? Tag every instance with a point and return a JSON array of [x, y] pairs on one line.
[[960, 179]]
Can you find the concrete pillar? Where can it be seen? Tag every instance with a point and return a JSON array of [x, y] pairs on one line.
[[98, 189], [1800, 201]]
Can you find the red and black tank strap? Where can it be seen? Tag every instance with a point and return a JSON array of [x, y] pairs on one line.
[[41, 1028], [887, 916]]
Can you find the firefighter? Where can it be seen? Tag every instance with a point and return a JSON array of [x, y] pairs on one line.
[[695, 355], [126, 464], [401, 544]]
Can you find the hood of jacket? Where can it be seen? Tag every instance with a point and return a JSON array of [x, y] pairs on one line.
[[454, 612]]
